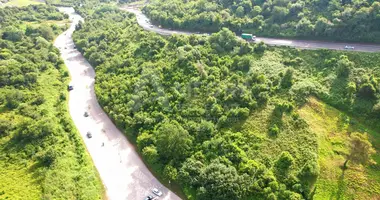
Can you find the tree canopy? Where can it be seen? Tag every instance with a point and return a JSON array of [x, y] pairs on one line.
[[334, 20]]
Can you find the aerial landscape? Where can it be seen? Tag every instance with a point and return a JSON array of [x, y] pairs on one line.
[[200, 99]]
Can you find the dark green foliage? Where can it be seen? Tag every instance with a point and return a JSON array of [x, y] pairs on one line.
[[5, 127], [198, 96], [287, 80], [339, 20], [367, 90], [12, 33], [173, 142], [344, 66], [260, 47], [274, 130]]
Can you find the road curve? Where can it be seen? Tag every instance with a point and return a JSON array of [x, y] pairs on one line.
[[121, 170], [144, 22]]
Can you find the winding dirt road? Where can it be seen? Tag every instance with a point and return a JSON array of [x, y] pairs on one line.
[[121, 170], [144, 22]]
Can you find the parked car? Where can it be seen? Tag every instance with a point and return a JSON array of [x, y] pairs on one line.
[[149, 198], [70, 87], [157, 192], [349, 47], [86, 114], [151, 26], [89, 135]]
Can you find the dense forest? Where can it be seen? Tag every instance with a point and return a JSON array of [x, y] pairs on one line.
[[313, 19], [226, 119], [41, 153]]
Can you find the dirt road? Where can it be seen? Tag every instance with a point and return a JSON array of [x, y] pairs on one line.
[[122, 171]]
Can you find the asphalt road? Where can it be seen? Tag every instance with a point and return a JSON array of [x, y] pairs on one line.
[[121, 170], [144, 22]]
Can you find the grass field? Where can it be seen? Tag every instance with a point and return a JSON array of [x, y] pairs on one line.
[[332, 128], [21, 3]]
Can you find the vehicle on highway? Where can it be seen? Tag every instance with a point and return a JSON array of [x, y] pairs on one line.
[[151, 26], [157, 192], [85, 114], [70, 87], [248, 36], [148, 198], [349, 47], [89, 135]]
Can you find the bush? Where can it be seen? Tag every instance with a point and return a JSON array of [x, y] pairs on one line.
[[274, 130]]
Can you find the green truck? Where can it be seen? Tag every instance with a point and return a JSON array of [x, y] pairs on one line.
[[248, 36]]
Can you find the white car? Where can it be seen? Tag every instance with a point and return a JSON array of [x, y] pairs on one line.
[[349, 47], [157, 192]]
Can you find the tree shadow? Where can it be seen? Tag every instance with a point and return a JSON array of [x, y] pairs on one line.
[[341, 186], [275, 119]]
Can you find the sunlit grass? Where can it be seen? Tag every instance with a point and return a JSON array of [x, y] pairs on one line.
[[332, 128], [21, 3]]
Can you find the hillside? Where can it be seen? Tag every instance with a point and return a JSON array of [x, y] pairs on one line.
[[220, 117], [327, 20], [41, 154]]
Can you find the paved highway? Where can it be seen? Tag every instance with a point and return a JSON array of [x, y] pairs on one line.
[[121, 170], [144, 22]]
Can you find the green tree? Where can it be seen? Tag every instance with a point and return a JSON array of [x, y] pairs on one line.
[[361, 149], [170, 172], [46, 32], [173, 141], [344, 66], [13, 34]]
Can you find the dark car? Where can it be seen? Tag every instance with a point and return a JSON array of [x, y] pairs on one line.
[[89, 135], [70, 87], [148, 198], [86, 114]]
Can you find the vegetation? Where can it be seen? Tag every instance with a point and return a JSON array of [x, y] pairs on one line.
[[336, 131], [220, 117], [337, 20], [41, 153]]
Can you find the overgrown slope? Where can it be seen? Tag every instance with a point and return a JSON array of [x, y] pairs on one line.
[[216, 114]]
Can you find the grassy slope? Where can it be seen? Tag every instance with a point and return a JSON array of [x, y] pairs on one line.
[[21, 177], [73, 176], [332, 128], [21, 3]]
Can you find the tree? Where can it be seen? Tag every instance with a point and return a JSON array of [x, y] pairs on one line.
[[173, 141], [367, 90], [150, 154], [5, 127], [284, 161], [260, 47], [46, 32], [361, 150], [170, 172], [13, 34], [304, 27], [344, 66], [223, 41]]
